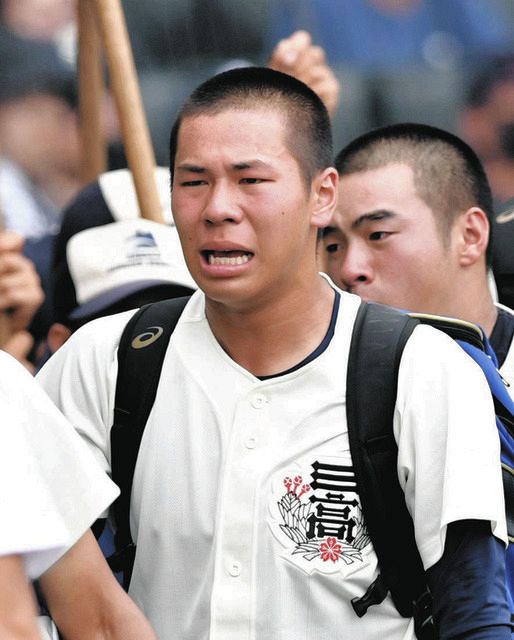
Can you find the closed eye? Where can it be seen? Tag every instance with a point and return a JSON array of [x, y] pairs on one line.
[[192, 183]]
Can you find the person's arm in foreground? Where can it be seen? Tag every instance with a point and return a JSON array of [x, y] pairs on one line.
[[17, 604], [85, 600]]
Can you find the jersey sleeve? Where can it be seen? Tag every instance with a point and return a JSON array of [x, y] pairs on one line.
[[80, 379], [448, 445], [51, 487]]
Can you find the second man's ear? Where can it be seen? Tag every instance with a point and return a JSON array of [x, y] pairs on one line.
[[473, 229]]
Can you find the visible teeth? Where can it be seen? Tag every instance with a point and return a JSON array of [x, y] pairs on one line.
[[222, 260]]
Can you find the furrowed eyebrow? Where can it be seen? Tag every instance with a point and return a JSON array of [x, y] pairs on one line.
[[192, 168], [250, 164], [372, 216], [238, 166]]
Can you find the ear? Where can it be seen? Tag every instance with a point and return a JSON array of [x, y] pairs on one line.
[[324, 197], [473, 230], [57, 336]]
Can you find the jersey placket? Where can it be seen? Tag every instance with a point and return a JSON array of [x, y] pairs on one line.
[[232, 602]]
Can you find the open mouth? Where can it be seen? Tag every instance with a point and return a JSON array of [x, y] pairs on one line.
[[227, 257]]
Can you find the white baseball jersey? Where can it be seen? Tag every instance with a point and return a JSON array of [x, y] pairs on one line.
[[51, 488], [244, 507]]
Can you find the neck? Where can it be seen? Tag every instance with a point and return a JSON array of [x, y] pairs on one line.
[[477, 307], [274, 337], [485, 316]]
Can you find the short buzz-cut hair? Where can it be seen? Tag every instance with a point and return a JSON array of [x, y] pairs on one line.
[[308, 134], [448, 175]]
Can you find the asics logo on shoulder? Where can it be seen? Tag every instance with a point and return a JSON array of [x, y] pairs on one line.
[[147, 338]]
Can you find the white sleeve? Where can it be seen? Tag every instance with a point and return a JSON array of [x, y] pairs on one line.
[[51, 488], [81, 380], [448, 444]]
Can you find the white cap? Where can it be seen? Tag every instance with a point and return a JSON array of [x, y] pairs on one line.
[[112, 261]]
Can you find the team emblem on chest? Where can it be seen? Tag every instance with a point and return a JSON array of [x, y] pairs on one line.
[[317, 516]]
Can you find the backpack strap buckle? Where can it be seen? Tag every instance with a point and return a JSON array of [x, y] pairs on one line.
[[375, 594], [424, 627]]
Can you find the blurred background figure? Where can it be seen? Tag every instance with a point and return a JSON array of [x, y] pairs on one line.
[[44, 21], [39, 147], [39, 142], [399, 60], [107, 259], [487, 122]]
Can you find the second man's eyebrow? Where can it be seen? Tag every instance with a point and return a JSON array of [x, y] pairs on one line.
[[379, 214], [328, 230]]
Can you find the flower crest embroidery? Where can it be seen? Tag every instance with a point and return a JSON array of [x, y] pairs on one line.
[[323, 517]]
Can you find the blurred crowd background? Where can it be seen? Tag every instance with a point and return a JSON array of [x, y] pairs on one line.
[[448, 63]]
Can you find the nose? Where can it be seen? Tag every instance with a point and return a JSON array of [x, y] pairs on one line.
[[354, 267], [221, 206]]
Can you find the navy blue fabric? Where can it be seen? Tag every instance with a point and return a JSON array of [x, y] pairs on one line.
[[468, 584], [488, 362], [502, 335]]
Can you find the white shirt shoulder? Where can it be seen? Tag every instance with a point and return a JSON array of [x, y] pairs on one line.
[[45, 473], [80, 378]]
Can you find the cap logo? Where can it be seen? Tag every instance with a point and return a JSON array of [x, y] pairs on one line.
[[506, 216], [142, 239], [141, 250], [147, 338]]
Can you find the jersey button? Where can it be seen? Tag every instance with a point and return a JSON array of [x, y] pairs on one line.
[[234, 569], [258, 401], [251, 443]]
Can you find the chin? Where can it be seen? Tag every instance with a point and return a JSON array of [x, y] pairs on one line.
[[227, 293]]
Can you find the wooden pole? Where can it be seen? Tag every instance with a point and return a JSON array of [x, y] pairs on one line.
[[136, 136], [91, 88], [5, 329]]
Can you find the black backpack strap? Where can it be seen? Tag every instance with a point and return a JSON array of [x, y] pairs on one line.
[[141, 352], [378, 339]]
